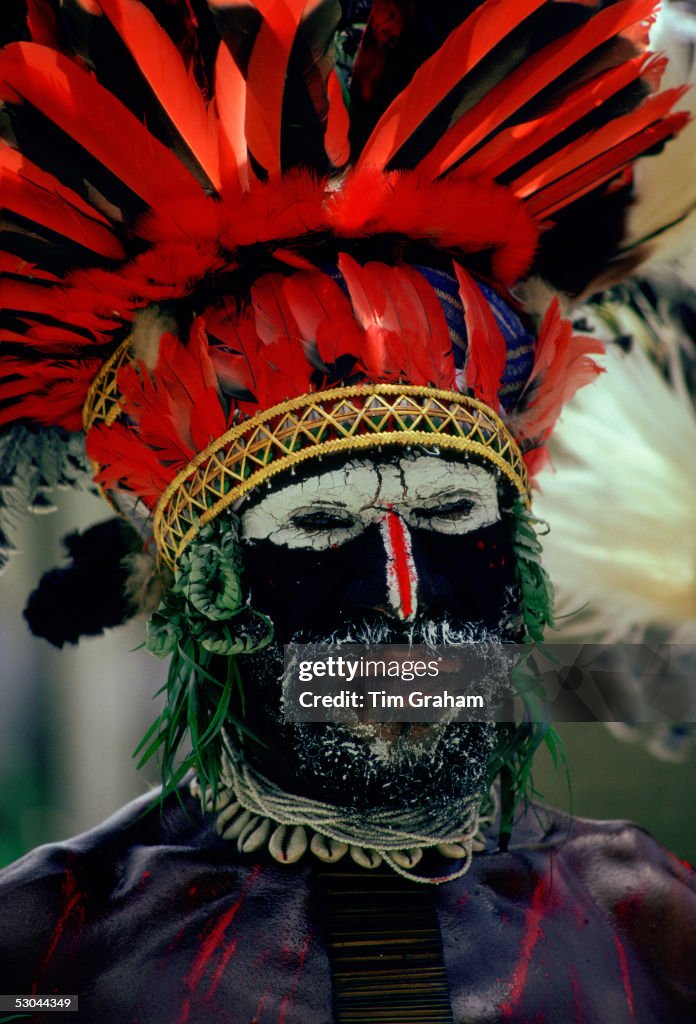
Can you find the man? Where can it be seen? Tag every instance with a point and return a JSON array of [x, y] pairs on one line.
[[159, 916], [291, 343]]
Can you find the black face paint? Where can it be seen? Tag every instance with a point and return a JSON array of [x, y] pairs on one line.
[[313, 595], [464, 588]]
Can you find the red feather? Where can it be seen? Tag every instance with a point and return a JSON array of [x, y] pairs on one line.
[[124, 461], [531, 77], [65, 304], [160, 62], [324, 316], [595, 144], [511, 145], [464, 48], [338, 123], [185, 397], [39, 197], [266, 76], [42, 22], [74, 101], [45, 392], [374, 312], [274, 318], [170, 270], [405, 331], [457, 213], [284, 208], [605, 166], [234, 347], [230, 104], [487, 350], [562, 365], [432, 345], [11, 264], [535, 460], [174, 414], [284, 372]]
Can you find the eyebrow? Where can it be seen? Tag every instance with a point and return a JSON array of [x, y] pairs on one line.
[[450, 496], [324, 502]]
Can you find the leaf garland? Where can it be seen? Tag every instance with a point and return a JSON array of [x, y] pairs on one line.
[[517, 744], [204, 623]]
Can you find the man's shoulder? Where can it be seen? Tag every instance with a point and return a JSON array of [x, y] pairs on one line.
[[618, 858], [646, 892], [56, 885]]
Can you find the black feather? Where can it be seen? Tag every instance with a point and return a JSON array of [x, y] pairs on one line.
[[89, 595]]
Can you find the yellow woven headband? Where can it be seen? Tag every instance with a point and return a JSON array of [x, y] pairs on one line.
[[342, 419]]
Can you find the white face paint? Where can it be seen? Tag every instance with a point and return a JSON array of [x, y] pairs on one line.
[[336, 505]]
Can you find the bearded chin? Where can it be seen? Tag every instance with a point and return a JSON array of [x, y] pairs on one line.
[[436, 766]]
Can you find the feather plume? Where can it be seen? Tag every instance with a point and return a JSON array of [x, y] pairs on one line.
[[124, 461], [337, 124], [405, 331], [518, 142], [324, 317], [39, 197], [49, 393], [487, 351], [173, 414], [463, 49], [42, 22], [620, 504], [286, 60], [602, 168], [562, 365], [74, 101], [600, 143], [230, 105], [459, 214], [533, 75], [286, 208], [234, 351], [175, 87]]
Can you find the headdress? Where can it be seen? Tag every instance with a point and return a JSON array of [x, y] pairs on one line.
[[237, 236]]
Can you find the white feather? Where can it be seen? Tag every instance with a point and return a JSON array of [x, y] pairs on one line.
[[621, 501]]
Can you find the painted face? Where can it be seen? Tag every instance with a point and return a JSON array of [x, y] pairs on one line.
[[391, 544], [409, 548]]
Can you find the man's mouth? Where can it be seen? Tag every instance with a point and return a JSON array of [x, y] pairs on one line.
[[408, 736]]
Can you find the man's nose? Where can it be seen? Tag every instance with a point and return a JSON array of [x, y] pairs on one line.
[[402, 576]]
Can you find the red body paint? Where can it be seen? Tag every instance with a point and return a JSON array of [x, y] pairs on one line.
[[287, 999], [625, 977], [210, 951], [72, 897], [532, 933]]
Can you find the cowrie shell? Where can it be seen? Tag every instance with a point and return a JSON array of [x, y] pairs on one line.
[[327, 850], [236, 826], [288, 843], [406, 858], [454, 851], [365, 858], [254, 835]]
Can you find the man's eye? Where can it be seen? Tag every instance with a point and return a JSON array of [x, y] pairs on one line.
[[450, 510], [320, 520]]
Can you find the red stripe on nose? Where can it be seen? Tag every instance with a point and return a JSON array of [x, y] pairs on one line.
[[402, 579]]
